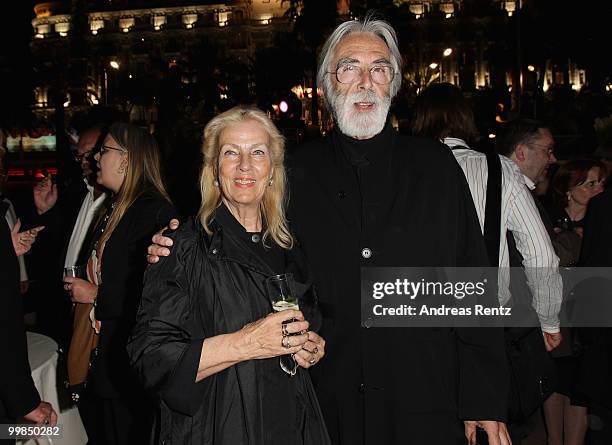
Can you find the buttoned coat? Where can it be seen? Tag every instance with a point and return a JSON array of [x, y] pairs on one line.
[[411, 206]]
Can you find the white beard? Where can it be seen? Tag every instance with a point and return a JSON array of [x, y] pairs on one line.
[[360, 125]]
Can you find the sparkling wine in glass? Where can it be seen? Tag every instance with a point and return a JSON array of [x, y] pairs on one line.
[[74, 271], [282, 299]]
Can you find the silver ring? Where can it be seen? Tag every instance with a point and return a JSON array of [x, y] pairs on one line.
[[312, 361], [284, 330], [315, 350]]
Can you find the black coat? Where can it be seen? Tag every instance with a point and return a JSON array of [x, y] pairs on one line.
[[594, 378], [416, 211], [213, 285], [46, 262], [123, 264], [18, 396]]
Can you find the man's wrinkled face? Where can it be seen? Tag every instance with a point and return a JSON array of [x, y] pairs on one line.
[[360, 107], [539, 156]]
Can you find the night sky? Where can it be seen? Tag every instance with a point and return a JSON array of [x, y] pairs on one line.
[[562, 29]]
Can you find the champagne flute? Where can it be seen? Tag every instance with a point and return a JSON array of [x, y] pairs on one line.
[[74, 271], [282, 299]]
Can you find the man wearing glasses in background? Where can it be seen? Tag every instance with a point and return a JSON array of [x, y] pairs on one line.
[[70, 219], [531, 146]]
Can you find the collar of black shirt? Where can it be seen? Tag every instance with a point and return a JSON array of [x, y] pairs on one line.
[[363, 152]]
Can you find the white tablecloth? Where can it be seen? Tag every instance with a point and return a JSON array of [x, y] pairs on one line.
[[42, 354]]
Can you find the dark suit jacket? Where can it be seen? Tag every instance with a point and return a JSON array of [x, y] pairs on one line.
[[123, 264], [416, 211], [595, 374], [46, 263], [59, 222], [597, 241], [18, 396]]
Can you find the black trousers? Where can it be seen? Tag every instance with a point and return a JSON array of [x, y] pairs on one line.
[[116, 421], [434, 428]]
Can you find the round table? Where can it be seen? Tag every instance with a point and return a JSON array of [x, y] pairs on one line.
[[42, 355]]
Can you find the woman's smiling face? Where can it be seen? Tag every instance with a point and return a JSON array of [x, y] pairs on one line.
[[245, 165]]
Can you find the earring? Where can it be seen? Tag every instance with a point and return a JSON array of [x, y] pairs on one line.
[[270, 182], [121, 170], [216, 183]]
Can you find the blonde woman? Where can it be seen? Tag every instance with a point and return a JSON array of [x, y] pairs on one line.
[[129, 166], [205, 340]]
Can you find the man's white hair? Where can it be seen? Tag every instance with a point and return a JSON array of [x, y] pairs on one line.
[[379, 28]]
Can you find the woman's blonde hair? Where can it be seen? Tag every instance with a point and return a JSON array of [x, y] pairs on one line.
[[143, 171], [275, 196]]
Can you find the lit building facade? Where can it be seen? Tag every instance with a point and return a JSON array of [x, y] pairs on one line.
[[96, 52], [89, 50]]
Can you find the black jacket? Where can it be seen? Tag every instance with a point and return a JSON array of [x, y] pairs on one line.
[[18, 396], [46, 262], [213, 285], [410, 207], [594, 378], [123, 263]]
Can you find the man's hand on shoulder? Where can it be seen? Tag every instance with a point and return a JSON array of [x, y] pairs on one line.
[[161, 244]]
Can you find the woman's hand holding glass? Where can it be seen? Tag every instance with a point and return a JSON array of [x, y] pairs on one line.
[[264, 338], [80, 290]]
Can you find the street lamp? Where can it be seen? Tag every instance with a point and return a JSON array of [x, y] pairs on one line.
[[114, 65], [447, 52], [434, 65]]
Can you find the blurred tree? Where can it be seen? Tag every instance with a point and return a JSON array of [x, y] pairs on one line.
[[313, 21], [279, 68]]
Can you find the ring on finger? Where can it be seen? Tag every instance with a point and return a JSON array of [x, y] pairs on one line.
[[285, 342], [284, 330], [315, 351], [312, 361]]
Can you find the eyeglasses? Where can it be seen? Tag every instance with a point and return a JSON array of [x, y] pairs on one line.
[[79, 157], [550, 150], [380, 74], [106, 148]]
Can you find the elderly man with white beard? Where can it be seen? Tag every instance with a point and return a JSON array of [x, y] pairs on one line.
[[368, 197], [365, 196]]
